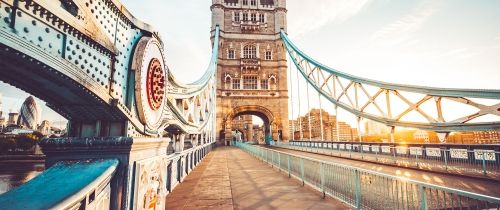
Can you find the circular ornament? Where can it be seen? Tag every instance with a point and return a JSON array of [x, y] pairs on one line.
[[150, 82]]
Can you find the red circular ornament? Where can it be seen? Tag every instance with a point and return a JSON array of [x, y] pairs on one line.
[[155, 84]]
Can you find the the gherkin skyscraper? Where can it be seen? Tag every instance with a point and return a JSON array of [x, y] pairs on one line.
[[30, 114]]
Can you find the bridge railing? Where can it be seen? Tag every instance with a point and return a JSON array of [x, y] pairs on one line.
[[469, 160], [365, 189], [99, 183], [83, 184]]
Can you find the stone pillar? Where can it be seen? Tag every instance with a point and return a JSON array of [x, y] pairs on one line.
[[179, 145], [128, 151]]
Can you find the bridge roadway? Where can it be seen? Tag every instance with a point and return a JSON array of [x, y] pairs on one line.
[[229, 178], [477, 185]]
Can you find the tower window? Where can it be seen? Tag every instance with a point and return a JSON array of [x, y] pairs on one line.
[[237, 17], [250, 51], [253, 2], [245, 2], [230, 54], [261, 18], [245, 17], [269, 55], [236, 84], [253, 17], [264, 85], [250, 82]]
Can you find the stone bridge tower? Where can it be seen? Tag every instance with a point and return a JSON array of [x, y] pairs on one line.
[[252, 69]]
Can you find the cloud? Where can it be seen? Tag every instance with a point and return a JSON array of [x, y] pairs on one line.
[[402, 30], [306, 17]]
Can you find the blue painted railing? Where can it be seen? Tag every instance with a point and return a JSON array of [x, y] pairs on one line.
[[468, 160], [83, 184], [366, 189]]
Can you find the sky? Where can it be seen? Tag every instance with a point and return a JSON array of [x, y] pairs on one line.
[[443, 43]]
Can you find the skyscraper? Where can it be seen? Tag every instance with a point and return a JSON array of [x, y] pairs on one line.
[[30, 114]]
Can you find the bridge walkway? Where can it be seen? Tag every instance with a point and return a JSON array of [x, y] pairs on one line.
[[478, 185], [229, 178]]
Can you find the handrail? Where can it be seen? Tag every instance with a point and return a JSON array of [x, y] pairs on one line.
[[359, 194], [466, 160], [63, 186], [490, 198]]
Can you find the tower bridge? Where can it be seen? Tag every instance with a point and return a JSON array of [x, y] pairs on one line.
[[135, 132]]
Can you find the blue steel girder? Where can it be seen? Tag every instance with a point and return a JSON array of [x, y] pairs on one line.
[[91, 47], [193, 105], [81, 57], [345, 91]]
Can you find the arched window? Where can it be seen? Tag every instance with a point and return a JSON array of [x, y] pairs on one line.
[[250, 51], [227, 81], [272, 82]]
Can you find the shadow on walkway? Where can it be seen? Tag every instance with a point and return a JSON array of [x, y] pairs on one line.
[[232, 179]]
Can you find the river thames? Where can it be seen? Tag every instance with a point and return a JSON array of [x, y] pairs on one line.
[[14, 174]]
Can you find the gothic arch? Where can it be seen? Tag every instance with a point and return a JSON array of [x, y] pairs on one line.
[[265, 114]]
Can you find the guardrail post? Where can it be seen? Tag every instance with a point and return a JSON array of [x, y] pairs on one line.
[[445, 160], [357, 190], [279, 161], [289, 175], [302, 170], [484, 163], [416, 159], [423, 198], [272, 159], [322, 178], [394, 155]]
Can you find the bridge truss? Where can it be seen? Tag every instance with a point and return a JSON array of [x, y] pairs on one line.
[[375, 100], [101, 68]]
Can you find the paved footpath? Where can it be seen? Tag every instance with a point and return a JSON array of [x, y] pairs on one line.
[[229, 178]]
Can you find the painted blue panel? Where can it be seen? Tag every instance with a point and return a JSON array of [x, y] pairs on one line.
[[56, 184]]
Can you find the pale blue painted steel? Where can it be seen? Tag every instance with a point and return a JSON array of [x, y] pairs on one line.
[[56, 184], [203, 82], [479, 93], [473, 163], [441, 92]]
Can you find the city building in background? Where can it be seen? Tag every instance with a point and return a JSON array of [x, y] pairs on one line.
[[13, 116], [44, 128], [249, 130], [299, 128], [376, 132], [29, 120], [30, 114]]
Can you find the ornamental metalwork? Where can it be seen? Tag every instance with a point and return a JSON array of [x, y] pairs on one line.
[[155, 84], [150, 82]]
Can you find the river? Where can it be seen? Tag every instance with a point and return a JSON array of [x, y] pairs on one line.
[[15, 174]]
